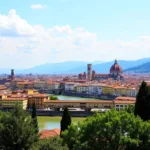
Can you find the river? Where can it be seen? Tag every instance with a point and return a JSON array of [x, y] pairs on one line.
[[49, 123], [54, 122]]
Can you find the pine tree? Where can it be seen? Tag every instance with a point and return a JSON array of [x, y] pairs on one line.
[[66, 120], [141, 105], [34, 117]]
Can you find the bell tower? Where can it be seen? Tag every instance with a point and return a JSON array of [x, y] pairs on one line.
[[89, 72], [12, 76]]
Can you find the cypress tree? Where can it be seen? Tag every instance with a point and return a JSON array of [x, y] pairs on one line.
[[147, 108], [34, 117], [66, 120], [141, 105]]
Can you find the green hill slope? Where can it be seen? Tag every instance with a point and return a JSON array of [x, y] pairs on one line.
[[144, 68]]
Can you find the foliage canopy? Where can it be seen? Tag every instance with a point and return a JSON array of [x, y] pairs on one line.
[[110, 131], [52, 97], [17, 130]]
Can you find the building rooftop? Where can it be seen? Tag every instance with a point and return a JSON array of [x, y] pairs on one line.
[[125, 98], [13, 99], [124, 102], [49, 133], [38, 95]]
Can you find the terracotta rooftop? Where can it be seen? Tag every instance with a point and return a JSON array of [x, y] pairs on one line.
[[71, 83], [148, 83], [38, 95], [83, 85], [124, 102], [14, 99], [125, 98], [56, 83], [49, 82], [49, 133], [24, 82], [16, 95]]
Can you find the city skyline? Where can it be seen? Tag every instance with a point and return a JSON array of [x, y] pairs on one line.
[[38, 32]]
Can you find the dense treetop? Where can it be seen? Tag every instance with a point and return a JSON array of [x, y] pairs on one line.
[[17, 130], [49, 144], [110, 131], [52, 97]]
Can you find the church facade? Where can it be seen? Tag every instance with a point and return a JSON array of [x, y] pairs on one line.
[[115, 73]]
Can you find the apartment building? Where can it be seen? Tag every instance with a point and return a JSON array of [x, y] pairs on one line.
[[9, 103], [39, 100]]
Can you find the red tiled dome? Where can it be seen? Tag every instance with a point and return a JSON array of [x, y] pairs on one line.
[[116, 68]]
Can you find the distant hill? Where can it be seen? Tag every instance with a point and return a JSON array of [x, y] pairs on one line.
[[144, 68], [55, 68], [75, 67], [105, 67]]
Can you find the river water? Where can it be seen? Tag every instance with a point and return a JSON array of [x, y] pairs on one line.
[[46, 122], [51, 124]]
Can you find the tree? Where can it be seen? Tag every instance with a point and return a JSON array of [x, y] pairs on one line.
[[34, 117], [1, 128], [54, 143], [66, 120], [112, 130], [142, 102], [130, 108], [17, 130], [53, 98]]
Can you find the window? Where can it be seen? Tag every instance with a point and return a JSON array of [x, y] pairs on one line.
[[95, 106], [82, 103]]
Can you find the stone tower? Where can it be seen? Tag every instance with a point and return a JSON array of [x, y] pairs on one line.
[[89, 72], [12, 74], [93, 75]]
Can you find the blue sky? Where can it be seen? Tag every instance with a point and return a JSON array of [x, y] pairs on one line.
[[122, 26], [109, 19]]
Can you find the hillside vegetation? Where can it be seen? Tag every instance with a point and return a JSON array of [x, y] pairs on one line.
[[144, 68]]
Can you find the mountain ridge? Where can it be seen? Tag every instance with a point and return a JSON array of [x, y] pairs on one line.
[[144, 68], [75, 67]]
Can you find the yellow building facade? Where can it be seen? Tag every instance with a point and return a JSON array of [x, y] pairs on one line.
[[8, 103], [107, 90], [125, 91], [39, 100]]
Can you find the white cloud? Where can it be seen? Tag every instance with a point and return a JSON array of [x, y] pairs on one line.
[[13, 25], [24, 45], [38, 6]]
